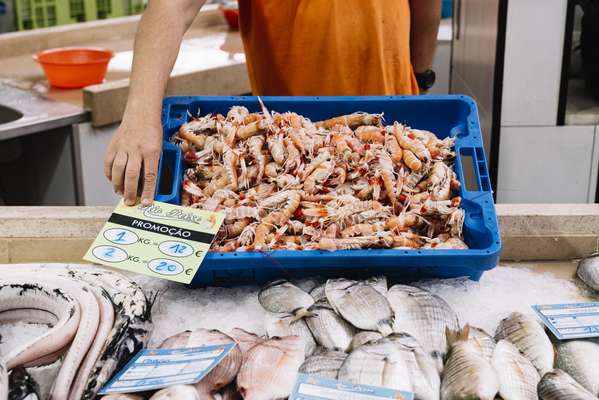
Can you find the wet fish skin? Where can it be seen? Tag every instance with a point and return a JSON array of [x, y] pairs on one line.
[[258, 380], [580, 359], [425, 316], [379, 283], [178, 392], [318, 294], [281, 325], [284, 297], [245, 340], [588, 271], [518, 378], [527, 334], [486, 341], [361, 305], [467, 373], [328, 328], [363, 337], [324, 363], [558, 385]]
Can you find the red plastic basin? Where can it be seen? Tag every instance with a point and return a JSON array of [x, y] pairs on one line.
[[74, 67]]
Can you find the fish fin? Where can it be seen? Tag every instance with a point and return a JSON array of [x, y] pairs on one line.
[[465, 333], [301, 313], [454, 336]]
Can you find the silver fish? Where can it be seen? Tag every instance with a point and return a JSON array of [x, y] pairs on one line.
[[324, 363], [361, 305], [281, 325], [177, 392], [284, 297], [527, 334], [467, 373], [518, 378], [270, 368], [379, 283], [377, 363], [245, 340], [318, 294], [329, 329], [588, 271], [22, 386], [486, 341], [425, 316], [580, 359], [224, 373], [422, 368], [364, 337], [558, 385]]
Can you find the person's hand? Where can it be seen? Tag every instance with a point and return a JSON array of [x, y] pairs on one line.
[[133, 153]]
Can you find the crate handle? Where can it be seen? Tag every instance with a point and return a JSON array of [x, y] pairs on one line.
[[477, 169], [168, 151]]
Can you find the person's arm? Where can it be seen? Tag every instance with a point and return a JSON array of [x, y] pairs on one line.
[[137, 143], [426, 16]]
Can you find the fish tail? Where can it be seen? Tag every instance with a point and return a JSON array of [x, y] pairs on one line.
[[301, 313]]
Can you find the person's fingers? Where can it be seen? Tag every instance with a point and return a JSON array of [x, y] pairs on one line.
[[132, 179], [118, 171], [149, 180], [108, 160]]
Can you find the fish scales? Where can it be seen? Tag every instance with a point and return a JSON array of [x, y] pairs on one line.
[[518, 378], [580, 359], [281, 325], [527, 334], [363, 337], [324, 363], [329, 329], [361, 305], [558, 385], [486, 341]]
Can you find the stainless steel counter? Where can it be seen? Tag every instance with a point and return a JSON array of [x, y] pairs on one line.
[[38, 113]]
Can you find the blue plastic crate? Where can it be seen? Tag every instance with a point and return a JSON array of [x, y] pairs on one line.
[[447, 9], [454, 115]]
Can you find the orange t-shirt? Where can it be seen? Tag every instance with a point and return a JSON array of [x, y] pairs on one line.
[[328, 47]]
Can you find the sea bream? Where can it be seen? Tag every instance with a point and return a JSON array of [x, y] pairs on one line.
[[528, 335], [363, 337], [467, 374], [269, 369], [281, 325], [518, 378], [328, 328], [284, 297], [558, 385], [360, 304], [580, 359], [425, 316], [324, 363], [588, 271]]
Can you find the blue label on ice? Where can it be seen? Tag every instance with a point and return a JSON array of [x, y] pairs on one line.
[[570, 321], [153, 369], [310, 387]]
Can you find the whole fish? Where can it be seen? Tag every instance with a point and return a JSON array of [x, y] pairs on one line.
[[317, 293], [364, 337], [324, 363], [284, 297], [421, 367], [425, 316], [245, 340], [269, 369], [518, 378], [377, 363], [467, 373], [178, 392], [221, 375], [558, 385], [588, 271], [486, 341], [361, 305], [527, 334], [281, 325], [328, 328], [22, 386], [580, 359]]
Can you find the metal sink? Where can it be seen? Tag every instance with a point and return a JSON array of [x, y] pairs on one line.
[[8, 114]]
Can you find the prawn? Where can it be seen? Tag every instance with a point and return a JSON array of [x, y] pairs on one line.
[[351, 120], [276, 148], [293, 156], [230, 160], [408, 141], [370, 134], [394, 149], [320, 174], [236, 228], [255, 144], [386, 165]]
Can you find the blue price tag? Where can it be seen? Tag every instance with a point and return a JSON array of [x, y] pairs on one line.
[[310, 387], [570, 321], [153, 369]]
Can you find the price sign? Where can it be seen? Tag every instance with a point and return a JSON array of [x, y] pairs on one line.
[[570, 321], [161, 240], [309, 387]]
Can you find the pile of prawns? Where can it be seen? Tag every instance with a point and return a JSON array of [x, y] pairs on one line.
[[349, 182]]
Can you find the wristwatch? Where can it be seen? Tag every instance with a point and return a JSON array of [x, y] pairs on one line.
[[425, 79]]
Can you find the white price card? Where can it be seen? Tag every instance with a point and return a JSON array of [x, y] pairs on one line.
[[161, 240], [153, 369], [570, 321], [310, 387]]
